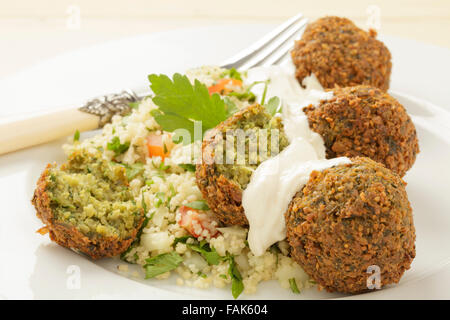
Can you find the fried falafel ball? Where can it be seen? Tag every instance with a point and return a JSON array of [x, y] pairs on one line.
[[222, 184], [350, 217], [366, 121], [87, 206], [341, 54]]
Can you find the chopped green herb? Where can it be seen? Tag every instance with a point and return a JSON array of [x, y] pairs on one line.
[[180, 104], [201, 274], [117, 147], [161, 168], [76, 136], [134, 170], [182, 239], [293, 285], [263, 98], [223, 276], [274, 249], [160, 198], [187, 167], [232, 74], [273, 106], [161, 264], [210, 254], [149, 182], [198, 205], [144, 205], [237, 286], [246, 95]]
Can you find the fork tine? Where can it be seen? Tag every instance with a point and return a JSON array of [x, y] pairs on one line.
[[278, 55], [240, 58], [277, 48]]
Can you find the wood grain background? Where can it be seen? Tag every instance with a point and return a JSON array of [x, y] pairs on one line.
[[32, 30]]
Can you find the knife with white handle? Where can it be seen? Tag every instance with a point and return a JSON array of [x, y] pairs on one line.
[[21, 132]]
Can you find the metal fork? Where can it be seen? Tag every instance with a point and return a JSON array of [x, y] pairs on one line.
[[16, 134], [269, 50]]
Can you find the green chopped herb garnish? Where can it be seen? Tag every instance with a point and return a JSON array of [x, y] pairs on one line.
[[263, 98], [232, 74], [210, 254], [187, 166], [161, 264], [144, 205], [237, 286], [160, 198], [117, 147], [133, 170], [273, 106], [293, 285], [198, 205], [182, 239], [76, 136], [246, 95]]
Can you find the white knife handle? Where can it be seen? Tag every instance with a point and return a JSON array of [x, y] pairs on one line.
[[18, 133]]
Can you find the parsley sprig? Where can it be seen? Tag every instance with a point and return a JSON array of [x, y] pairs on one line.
[[180, 104]]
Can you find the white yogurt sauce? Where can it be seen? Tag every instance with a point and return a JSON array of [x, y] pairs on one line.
[[275, 182], [272, 187]]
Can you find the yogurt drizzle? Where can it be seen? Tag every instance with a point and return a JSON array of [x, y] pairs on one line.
[[275, 182]]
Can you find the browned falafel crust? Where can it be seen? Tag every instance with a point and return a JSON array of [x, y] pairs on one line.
[[69, 236], [366, 121], [339, 53], [348, 218], [223, 196], [222, 190]]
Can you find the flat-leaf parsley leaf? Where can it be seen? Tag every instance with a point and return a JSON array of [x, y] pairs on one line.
[[180, 104], [161, 264]]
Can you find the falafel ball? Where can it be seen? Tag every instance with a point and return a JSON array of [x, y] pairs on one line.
[[87, 206], [341, 54], [222, 184], [366, 121], [350, 217]]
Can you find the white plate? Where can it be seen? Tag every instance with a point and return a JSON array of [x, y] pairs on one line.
[[33, 267]]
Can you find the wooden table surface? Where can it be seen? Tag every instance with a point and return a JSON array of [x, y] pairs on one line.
[[32, 30]]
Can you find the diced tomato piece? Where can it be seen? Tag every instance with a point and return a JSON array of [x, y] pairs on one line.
[[222, 84], [156, 148], [195, 222], [43, 230]]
